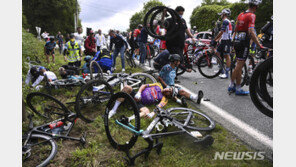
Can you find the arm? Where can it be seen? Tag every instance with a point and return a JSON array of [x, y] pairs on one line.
[[189, 33], [163, 102], [142, 88], [38, 80], [162, 81], [254, 37], [111, 44], [28, 78], [218, 37]]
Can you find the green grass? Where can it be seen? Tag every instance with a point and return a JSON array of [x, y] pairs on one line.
[[177, 150]]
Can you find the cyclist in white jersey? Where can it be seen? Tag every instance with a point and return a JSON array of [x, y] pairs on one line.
[[225, 41]]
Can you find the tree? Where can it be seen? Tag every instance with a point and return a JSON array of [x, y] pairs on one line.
[[52, 16]]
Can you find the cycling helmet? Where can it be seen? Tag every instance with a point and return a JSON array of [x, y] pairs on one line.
[[41, 68], [174, 57], [72, 35], [226, 12], [255, 2], [140, 26], [87, 58]]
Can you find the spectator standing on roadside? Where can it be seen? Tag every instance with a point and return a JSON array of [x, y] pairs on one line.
[[120, 46], [79, 38], [67, 38], [136, 36], [90, 44], [49, 48], [60, 39], [142, 44], [72, 52], [44, 35], [101, 41]]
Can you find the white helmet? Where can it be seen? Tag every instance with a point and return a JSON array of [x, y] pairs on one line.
[[226, 12], [255, 2]]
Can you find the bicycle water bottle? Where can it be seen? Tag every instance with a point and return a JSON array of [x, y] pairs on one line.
[[55, 125]]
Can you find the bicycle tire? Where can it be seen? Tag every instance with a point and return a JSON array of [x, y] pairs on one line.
[[86, 97], [111, 133], [156, 10], [99, 73], [254, 88], [210, 123], [128, 59], [52, 154], [57, 108], [204, 62], [263, 86], [144, 81]]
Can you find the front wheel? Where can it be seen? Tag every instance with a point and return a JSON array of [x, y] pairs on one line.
[[120, 127], [209, 65], [38, 150], [197, 120]]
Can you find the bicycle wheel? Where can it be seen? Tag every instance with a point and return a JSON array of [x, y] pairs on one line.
[[128, 59], [256, 94], [91, 98], [198, 120], [136, 80], [95, 70], [38, 150], [120, 137], [46, 107], [266, 85], [209, 65]]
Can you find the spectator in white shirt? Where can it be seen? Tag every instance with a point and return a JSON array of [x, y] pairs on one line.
[[79, 38], [37, 76], [101, 41]]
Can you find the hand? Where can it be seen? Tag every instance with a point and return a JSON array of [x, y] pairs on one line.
[[94, 50], [138, 96]]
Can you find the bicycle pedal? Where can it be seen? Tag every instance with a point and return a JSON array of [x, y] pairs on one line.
[[196, 134]]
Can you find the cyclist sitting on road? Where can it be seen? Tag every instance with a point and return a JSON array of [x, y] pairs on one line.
[[167, 77], [72, 52], [225, 43], [147, 94], [244, 32], [49, 48], [37, 75], [161, 60]]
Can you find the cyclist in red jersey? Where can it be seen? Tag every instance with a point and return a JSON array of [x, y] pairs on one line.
[[244, 32]]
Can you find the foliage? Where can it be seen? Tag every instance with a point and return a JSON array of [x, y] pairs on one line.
[[25, 22], [138, 17], [52, 16], [203, 16]]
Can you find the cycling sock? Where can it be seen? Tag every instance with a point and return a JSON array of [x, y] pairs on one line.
[[193, 97], [117, 103], [131, 118], [179, 101], [231, 84], [150, 115]]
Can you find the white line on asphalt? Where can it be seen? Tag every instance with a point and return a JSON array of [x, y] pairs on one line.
[[259, 136], [237, 122]]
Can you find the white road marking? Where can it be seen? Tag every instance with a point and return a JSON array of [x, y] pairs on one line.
[[259, 136]]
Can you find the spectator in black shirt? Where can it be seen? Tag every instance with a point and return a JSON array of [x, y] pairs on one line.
[[176, 45], [120, 47]]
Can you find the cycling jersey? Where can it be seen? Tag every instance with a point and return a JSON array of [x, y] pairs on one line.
[[245, 21], [137, 32], [152, 94], [50, 45], [227, 30], [168, 74]]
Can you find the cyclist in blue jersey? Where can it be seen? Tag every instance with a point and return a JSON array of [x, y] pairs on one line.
[[167, 77]]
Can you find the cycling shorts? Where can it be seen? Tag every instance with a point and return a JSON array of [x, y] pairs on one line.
[[224, 47], [48, 51], [242, 45]]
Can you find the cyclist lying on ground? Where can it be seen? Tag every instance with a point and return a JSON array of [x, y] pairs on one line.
[[36, 75], [69, 72], [167, 77], [147, 94], [104, 59]]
